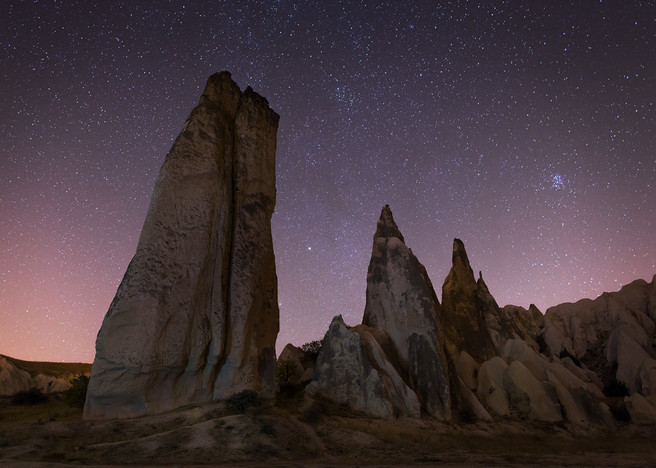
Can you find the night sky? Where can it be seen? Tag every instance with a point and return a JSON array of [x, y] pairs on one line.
[[524, 128]]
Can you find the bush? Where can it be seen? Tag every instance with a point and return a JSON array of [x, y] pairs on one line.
[[242, 401], [77, 394], [32, 396], [313, 347]]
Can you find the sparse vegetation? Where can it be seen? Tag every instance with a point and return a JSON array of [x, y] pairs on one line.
[[243, 401], [312, 348], [33, 396], [77, 394]]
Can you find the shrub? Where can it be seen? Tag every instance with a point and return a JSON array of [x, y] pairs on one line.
[[242, 401], [77, 394], [32, 396], [313, 347]]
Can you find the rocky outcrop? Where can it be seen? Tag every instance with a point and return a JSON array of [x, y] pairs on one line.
[[398, 352], [470, 316], [614, 336], [19, 376], [401, 302], [196, 315], [295, 366], [354, 369]]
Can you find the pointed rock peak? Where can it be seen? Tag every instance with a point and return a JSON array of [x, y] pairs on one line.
[[386, 226], [534, 309], [220, 84], [460, 258]]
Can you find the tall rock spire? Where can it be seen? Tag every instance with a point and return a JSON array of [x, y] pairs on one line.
[[467, 307], [196, 315], [401, 301]]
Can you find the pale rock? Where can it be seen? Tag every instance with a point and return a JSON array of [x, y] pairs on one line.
[[467, 368], [613, 336], [196, 315], [13, 379], [401, 302], [640, 410], [354, 370], [471, 404], [490, 386], [572, 411], [530, 397], [519, 350]]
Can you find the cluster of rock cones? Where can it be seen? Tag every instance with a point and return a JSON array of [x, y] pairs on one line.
[[196, 316]]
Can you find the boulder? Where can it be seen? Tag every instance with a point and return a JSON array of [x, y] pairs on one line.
[[467, 368], [640, 410], [353, 369], [196, 315], [490, 386], [530, 397]]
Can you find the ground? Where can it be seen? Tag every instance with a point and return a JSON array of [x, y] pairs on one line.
[[300, 432]]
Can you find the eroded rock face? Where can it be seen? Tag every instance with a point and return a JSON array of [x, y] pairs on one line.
[[353, 369], [470, 316], [196, 315], [398, 351], [401, 301], [614, 335]]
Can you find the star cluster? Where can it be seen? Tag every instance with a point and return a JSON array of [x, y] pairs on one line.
[[524, 128]]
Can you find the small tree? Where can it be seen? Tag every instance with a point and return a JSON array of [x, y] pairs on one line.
[[287, 370], [77, 394]]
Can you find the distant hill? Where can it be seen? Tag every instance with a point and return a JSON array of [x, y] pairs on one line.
[[50, 377], [56, 369]]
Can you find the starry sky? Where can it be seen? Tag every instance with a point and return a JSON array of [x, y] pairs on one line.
[[524, 128]]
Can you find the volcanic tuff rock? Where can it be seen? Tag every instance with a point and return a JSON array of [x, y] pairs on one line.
[[399, 346], [614, 335], [196, 315], [19, 376]]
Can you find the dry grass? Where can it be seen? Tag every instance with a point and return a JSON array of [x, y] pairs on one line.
[[282, 436]]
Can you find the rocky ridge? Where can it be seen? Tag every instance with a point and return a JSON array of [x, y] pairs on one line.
[[586, 364]]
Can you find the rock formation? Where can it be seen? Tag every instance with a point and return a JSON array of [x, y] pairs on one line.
[[20, 376], [583, 364], [397, 360], [614, 336], [471, 317], [295, 366], [196, 315]]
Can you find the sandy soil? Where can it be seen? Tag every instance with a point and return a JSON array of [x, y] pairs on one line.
[[301, 433]]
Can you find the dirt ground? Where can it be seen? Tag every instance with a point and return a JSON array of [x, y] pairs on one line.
[[300, 433]]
